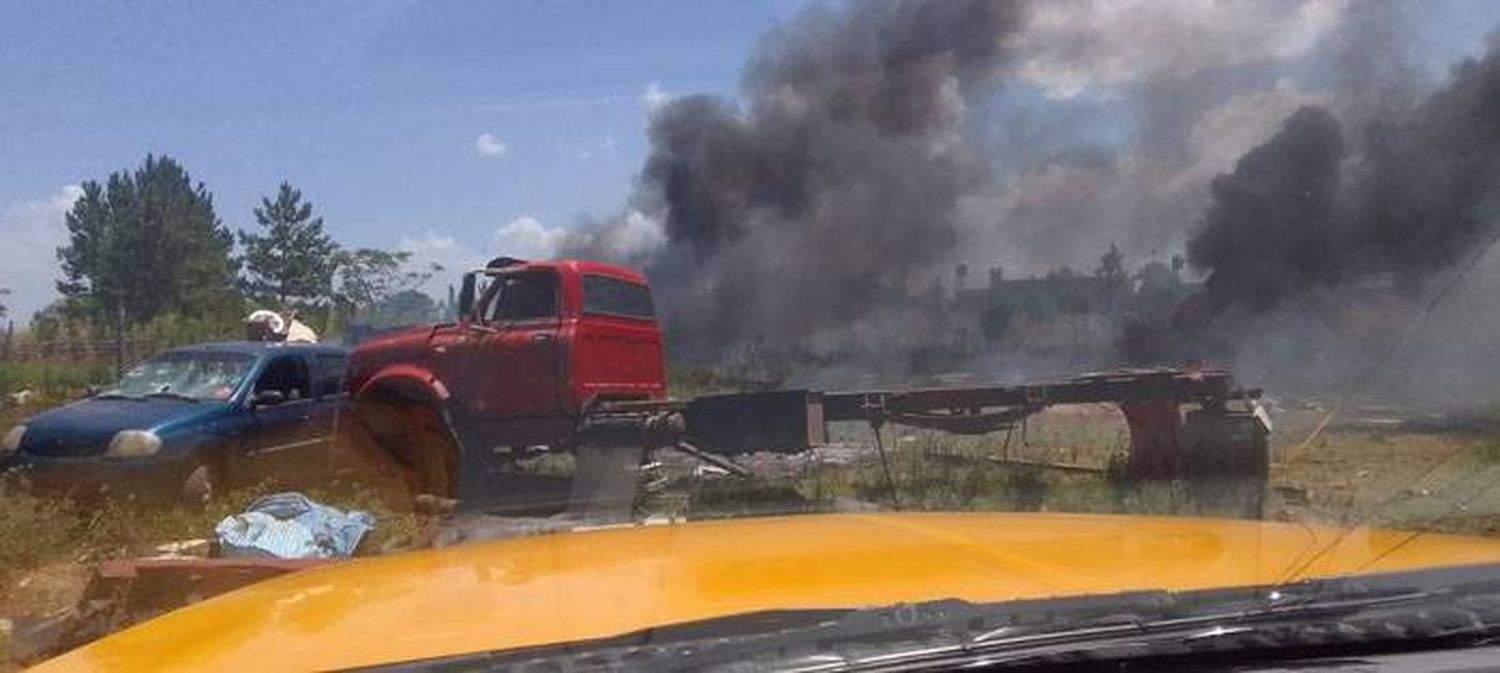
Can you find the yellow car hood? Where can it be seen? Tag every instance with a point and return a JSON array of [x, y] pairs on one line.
[[573, 586]]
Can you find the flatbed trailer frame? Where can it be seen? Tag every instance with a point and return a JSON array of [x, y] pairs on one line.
[[1211, 444]]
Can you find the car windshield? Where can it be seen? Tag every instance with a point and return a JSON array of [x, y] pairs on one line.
[[194, 375], [632, 314]]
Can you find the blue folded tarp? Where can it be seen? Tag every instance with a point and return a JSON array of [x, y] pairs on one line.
[[289, 525]]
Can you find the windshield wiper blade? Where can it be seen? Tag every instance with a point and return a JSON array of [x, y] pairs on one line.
[[1326, 616], [1282, 625], [173, 396], [1456, 605], [117, 396]]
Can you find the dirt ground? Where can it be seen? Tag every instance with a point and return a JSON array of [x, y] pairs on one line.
[[1385, 469]]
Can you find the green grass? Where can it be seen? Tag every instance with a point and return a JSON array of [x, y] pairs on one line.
[[52, 381], [934, 474], [689, 382]]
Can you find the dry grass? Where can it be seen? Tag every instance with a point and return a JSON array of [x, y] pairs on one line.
[[1445, 481], [48, 532], [1388, 477]]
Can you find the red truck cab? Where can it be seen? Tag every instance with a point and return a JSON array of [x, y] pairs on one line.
[[535, 344]]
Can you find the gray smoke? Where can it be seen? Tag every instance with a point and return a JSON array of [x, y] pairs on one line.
[[812, 203]]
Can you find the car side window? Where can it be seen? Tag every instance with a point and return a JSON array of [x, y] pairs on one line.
[[288, 374], [331, 368], [525, 296]]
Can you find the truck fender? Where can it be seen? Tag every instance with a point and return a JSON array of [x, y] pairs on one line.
[[410, 380]]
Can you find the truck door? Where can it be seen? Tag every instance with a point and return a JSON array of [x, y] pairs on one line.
[[520, 380]]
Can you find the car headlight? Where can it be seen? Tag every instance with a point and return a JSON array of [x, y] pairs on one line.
[[12, 440], [133, 444]]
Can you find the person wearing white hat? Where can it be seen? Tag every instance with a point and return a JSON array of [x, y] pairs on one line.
[[264, 325]]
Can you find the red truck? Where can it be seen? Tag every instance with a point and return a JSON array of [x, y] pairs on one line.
[[568, 354], [535, 345]]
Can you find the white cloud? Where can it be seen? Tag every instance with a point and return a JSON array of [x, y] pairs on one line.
[[489, 146], [639, 235], [1070, 46], [526, 238], [654, 97], [431, 249], [28, 259]]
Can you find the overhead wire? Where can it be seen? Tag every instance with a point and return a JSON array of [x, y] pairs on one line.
[[1356, 385]]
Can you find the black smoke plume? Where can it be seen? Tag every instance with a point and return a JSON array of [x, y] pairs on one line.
[[1271, 230], [1416, 197], [809, 206]]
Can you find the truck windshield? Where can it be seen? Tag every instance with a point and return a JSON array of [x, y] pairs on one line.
[[193, 374]]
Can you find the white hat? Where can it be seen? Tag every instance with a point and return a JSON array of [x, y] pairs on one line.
[[272, 320]]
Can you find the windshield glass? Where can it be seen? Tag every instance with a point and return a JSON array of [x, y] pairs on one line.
[[871, 302], [190, 374]]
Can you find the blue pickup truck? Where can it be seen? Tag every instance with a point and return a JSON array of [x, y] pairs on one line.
[[187, 422]]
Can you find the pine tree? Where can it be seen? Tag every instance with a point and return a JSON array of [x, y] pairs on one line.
[[293, 261], [146, 243], [1111, 264]]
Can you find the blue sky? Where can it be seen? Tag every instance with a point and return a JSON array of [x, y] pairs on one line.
[[375, 109]]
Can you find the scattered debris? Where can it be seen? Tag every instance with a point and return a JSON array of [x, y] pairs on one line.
[[433, 505], [291, 526], [715, 465], [1293, 496], [709, 471], [1061, 467], [194, 548]]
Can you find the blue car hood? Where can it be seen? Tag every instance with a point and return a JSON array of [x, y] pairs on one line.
[[85, 428]]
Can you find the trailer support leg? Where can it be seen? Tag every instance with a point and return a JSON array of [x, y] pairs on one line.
[[1155, 440], [606, 480]]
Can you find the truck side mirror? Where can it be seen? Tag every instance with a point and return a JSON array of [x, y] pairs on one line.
[[267, 398], [466, 295]]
